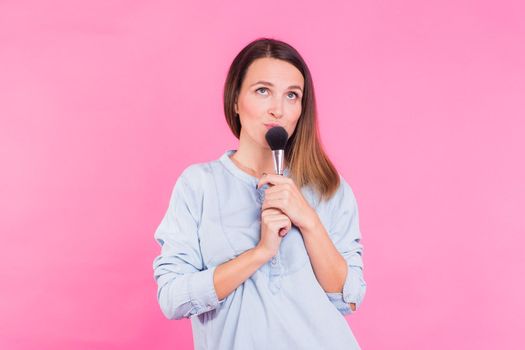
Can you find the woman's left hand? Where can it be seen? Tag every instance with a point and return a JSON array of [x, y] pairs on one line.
[[285, 195]]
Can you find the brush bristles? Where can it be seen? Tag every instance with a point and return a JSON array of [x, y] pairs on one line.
[[277, 137]]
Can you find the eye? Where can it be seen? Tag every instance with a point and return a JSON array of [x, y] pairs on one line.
[[262, 88], [294, 94]]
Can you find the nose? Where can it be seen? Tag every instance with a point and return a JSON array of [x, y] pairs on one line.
[[276, 108]]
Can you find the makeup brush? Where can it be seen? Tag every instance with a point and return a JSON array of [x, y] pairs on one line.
[[277, 138]]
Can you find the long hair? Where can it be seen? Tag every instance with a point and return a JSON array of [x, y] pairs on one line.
[[308, 163]]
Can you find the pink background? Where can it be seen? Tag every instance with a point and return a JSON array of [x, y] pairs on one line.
[[103, 103]]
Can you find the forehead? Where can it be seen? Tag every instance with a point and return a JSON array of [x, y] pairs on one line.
[[278, 72]]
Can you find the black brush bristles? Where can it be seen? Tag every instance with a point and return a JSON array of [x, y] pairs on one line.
[[276, 137]]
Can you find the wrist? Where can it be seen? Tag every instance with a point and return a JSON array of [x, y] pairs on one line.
[[261, 254], [312, 224]]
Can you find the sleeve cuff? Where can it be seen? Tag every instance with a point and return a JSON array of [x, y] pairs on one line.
[[355, 287], [202, 291], [337, 300]]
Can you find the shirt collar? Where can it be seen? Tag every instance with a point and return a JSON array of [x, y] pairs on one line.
[[235, 170]]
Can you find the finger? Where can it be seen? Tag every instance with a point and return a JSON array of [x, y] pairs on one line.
[[273, 179], [273, 218], [285, 230], [270, 212], [285, 187], [276, 204], [277, 216], [281, 195], [277, 228]]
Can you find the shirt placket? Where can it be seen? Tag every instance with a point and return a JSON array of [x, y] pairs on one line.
[[275, 264]]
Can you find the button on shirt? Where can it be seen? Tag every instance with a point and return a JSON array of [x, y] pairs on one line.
[[214, 215]]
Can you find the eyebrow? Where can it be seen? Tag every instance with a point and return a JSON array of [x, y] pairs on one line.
[[270, 84]]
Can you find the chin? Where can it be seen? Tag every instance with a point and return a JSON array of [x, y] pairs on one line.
[[265, 145]]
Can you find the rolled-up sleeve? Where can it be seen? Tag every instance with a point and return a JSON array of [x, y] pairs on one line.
[[346, 235], [185, 286]]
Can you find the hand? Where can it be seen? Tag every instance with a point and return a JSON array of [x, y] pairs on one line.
[[285, 196], [274, 226]]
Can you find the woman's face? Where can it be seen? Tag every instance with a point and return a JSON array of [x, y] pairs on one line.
[[270, 95]]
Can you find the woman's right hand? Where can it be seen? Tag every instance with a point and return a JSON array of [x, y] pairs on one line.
[[274, 226]]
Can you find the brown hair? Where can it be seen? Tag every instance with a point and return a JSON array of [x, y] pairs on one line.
[[308, 163]]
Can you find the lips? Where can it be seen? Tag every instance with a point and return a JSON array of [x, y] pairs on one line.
[[271, 125]]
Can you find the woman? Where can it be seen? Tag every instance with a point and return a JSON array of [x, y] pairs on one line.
[[258, 260]]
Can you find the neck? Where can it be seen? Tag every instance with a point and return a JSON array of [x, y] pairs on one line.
[[253, 158], [254, 164]]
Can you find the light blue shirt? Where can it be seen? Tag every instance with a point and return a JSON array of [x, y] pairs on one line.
[[213, 216]]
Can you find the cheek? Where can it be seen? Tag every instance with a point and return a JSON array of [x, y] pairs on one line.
[[294, 119], [292, 129], [295, 112], [252, 106]]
